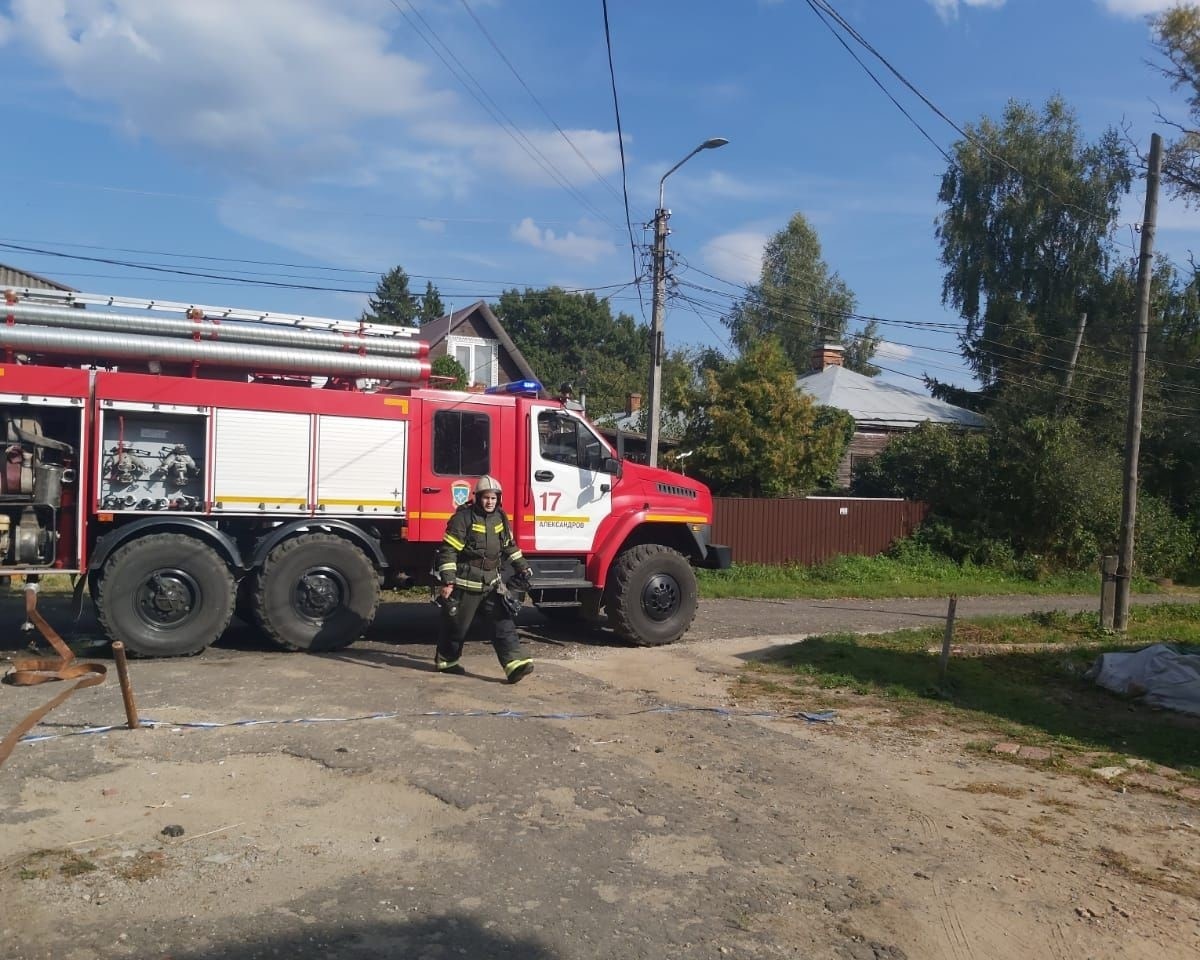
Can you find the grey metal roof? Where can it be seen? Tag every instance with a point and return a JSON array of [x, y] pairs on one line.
[[875, 404], [11, 277]]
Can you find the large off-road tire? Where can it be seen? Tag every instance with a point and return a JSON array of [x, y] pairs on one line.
[[651, 595], [164, 595], [315, 592]]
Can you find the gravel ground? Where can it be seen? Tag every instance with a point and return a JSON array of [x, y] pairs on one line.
[[619, 803]]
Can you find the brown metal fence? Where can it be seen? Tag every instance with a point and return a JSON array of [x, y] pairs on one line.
[[811, 529]]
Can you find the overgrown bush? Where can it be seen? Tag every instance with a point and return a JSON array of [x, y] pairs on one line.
[[1033, 494], [1165, 545]]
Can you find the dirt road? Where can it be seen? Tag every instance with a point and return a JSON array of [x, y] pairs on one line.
[[616, 804]]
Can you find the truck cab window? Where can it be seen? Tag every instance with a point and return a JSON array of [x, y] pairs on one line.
[[566, 440], [462, 443]]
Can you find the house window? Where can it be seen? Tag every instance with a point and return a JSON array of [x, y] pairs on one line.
[[860, 460], [461, 443], [477, 356]]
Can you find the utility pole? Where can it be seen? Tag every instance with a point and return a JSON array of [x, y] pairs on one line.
[[657, 340], [1066, 390], [1137, 383], [654, 393]]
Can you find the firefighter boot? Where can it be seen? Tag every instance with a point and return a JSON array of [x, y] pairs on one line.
[[449, 666], [516, 669]]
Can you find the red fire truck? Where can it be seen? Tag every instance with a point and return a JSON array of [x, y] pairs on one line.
[[188, 462]]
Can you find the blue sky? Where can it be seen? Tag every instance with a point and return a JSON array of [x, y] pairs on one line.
[[329, 135]]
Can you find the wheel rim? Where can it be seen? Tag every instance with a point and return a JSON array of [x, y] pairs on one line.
[[319, 592], [661, 597], [167, 598]]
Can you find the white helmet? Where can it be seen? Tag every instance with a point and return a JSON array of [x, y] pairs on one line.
[[487, 484]]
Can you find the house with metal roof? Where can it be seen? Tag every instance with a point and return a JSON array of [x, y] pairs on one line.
[[880, 410], [13, 279], [475, 338]]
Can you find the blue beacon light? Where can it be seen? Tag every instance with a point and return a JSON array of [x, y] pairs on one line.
[[516, 386]]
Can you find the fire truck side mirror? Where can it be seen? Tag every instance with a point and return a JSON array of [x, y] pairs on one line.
[[611, 465]]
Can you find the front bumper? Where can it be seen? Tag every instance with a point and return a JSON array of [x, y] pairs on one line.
[[717, 557]]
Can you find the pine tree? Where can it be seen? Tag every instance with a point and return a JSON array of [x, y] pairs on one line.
[[431, 304], [392, 303]]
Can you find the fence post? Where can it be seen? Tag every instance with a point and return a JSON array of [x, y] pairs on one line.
[[949, 636], [1108, 591]]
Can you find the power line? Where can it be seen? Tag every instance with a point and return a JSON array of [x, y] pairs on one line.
[[29, 246], [819, 6], [886, 92], [252, 281], [561, 132], [494, 110], [612, 76], [307, 208]]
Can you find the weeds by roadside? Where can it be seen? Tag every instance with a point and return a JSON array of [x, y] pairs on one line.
[[911, 572], [1020, 678]]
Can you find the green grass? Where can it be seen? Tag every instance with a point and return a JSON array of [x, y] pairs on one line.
[[914, 574], [1034, 696]]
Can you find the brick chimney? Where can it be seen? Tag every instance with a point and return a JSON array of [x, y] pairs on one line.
[[633, 403], [828, 355]]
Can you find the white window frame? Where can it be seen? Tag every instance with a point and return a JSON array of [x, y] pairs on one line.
[[454, 342]]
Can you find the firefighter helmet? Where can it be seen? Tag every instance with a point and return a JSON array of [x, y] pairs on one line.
[[487, 484]]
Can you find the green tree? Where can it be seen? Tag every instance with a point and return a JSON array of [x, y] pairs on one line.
[[1177, 38], [755, 435], [449, 368], [392, 303], [1034, 488], [1025, 238], [803, 304], [431, 304], [574, 338]]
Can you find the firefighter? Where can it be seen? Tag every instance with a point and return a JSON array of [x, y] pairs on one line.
[[478, 540]]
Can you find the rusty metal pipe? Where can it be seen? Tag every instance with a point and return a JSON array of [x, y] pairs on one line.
[[131, 714]]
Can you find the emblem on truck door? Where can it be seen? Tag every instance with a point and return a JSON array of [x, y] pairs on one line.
[[461, 491]]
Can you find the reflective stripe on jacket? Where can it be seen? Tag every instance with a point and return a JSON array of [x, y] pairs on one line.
[[473, 548]]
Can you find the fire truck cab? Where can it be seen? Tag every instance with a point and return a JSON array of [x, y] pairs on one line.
[[287, 468]]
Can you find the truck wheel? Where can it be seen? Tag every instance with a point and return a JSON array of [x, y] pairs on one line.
[[165, 595], [651, 596], [316, 592]]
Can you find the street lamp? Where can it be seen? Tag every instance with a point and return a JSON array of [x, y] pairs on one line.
[[661, 216]]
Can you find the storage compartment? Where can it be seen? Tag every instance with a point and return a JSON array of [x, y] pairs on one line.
[[151, 462], [38, 480]]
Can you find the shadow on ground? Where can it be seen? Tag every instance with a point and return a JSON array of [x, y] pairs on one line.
[[434, 937]]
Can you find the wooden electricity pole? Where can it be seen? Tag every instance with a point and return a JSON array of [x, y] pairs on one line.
[[1137, 382]]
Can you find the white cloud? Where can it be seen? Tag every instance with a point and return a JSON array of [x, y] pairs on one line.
[[280, 85], [948, 9], [736, 256], [892, 351], [526, 158], [571, 245], [1137, 8]]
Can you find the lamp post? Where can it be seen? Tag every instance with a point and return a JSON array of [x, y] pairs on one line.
[[661, 216]]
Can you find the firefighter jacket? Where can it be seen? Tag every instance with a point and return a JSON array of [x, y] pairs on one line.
[[475, 545]]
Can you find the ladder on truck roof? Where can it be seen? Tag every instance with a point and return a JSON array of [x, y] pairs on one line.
[[72, 298]]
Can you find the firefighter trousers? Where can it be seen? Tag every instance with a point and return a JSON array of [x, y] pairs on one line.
[[472, 606]]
